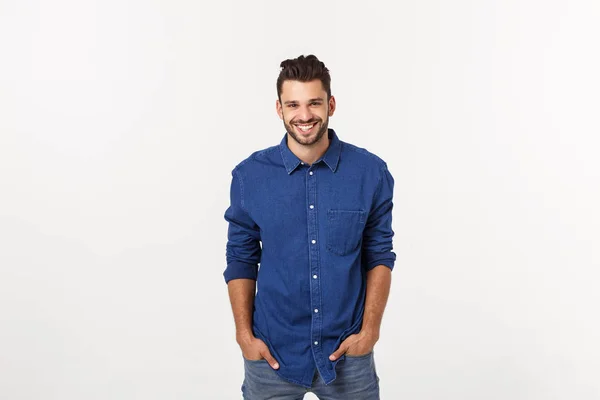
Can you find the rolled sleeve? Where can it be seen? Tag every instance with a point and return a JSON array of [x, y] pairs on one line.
[[378, 233], [243, 249]]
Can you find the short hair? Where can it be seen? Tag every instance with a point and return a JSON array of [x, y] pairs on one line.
[[304, 69]]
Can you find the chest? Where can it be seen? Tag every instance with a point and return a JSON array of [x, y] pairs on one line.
[[282, 202]]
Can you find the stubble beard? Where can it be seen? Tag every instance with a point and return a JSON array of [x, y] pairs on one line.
[[309, 141]]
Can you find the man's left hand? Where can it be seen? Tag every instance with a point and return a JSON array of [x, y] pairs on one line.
[[356, 345]]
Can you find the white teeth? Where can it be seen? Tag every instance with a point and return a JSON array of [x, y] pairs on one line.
[[305, 128]]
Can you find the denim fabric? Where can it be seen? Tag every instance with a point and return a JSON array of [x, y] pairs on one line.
[[357, 380], [315, 230]]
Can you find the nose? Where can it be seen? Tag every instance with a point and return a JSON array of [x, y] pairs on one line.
[[304, 114]]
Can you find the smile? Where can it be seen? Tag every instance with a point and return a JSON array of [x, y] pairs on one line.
[[306, 128]]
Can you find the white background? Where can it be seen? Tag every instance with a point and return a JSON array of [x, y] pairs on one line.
[[120, 123]]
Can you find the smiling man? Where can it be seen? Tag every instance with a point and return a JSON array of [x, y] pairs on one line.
[[315, 213]]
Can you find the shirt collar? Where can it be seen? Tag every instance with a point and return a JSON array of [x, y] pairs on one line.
[[331, 156]]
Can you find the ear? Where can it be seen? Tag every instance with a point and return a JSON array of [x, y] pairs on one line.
[[331, 105], [279, 108]]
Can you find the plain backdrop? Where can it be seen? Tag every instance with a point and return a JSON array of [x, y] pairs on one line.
[[120, 123]]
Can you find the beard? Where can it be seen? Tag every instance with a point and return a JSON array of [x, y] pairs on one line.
[[310, 140]]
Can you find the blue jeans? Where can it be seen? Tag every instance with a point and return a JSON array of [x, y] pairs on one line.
[[356, 380]]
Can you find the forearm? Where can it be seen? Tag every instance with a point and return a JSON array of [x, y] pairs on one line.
[[379, 280], [241, 296]]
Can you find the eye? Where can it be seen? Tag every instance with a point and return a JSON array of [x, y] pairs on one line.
[[315, 103], [292, 105]]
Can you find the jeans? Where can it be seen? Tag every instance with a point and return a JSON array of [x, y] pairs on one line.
[[356, 380]]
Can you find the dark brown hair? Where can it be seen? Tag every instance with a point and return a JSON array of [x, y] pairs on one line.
[[304, 69]]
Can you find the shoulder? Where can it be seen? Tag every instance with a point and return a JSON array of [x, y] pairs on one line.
[[363, 156], [255, 158]]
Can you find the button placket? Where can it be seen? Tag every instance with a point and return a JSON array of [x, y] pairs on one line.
[[315, 288]]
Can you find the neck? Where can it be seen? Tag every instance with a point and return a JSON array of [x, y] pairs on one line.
[[309, 154]]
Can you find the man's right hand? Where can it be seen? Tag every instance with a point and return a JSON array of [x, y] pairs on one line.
[[254, 349]]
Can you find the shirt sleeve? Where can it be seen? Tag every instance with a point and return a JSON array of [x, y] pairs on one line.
[[243, 249], [378, 233]]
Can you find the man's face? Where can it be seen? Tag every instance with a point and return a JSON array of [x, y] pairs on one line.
[[305, 110]]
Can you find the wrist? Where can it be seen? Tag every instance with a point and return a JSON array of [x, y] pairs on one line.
[[372, 334], [244, 336]]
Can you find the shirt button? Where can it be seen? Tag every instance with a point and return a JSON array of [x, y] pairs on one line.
[[310, 173], [311, 206], [316, 310], [313, 241], [314, 277], [301, 162], [316, 343]]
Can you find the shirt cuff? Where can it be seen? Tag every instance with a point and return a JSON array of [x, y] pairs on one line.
[[240, 270], [372, 260]]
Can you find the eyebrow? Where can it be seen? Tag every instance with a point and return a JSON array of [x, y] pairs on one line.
[[309, 101]]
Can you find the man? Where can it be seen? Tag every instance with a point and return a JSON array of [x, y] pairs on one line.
[[307, 320]]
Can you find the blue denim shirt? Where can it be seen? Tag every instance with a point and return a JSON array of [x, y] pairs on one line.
[[322, 227]]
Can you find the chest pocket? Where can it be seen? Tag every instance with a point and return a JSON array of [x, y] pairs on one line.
[[344, 230]]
